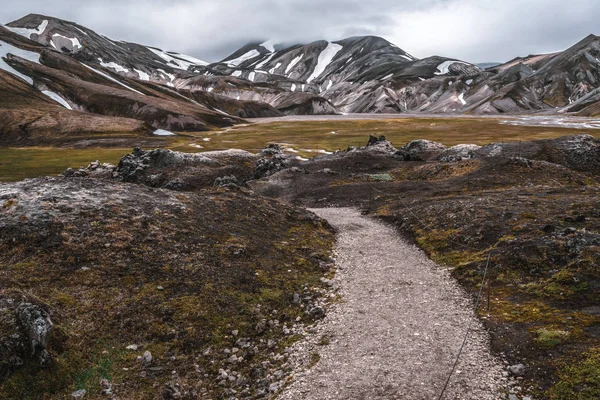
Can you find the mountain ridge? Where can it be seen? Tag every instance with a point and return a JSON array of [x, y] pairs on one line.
[[362, 74]]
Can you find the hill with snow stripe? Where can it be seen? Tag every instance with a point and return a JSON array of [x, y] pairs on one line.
[[61, 60]]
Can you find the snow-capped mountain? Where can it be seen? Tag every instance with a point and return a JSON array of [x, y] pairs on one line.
[[47, 64]]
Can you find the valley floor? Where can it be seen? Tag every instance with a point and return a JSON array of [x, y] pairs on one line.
[[398, 328]]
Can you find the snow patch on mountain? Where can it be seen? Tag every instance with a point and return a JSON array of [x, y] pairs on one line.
[[6, 49], [272, 70], [264, 62], [28, 32], [293, 87], [245, 57], [190, 59], [294, 62], [112, 79], [236, 73], [444, 68], [251, 76], [461, 98], [176, 60], [269, 45], [170, 76], [143, 75], [113, 65], [325, 58], [58, 99], [71, 44]]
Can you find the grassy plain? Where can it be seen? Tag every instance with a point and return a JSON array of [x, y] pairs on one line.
[[306, 137]]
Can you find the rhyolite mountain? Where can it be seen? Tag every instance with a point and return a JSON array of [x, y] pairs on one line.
[[60, 77]]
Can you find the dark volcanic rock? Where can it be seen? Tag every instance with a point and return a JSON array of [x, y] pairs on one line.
[[273, 160], [184, 171], [25, 333]]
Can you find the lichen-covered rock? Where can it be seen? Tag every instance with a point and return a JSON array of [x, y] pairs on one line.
[[459, 152], [184, 171], [228, 182], [25, 332], [273, 160], [421, 150], [380, 145]]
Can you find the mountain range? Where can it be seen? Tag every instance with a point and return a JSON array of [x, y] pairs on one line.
[[63, 79]]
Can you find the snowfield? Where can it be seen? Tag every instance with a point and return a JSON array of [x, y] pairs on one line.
[[444, 68], [110, 78], [176, 60], [113, 65], [143, 75], [28, 32], [269, 45], [294, 62], [245, 57], [58, 99], [59, 41], [6, 49], [272, 70], [461, 98], [325, 58]]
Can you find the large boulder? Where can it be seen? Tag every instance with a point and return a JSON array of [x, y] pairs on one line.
[[459, 152], [380, 145], [25, 333], [272, 160], [184, 171], [421, 150]]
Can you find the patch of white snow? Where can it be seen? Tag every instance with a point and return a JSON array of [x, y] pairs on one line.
[[113, 65], [272, 70], [444, 67], [269, 45], [245, 57], [27, 32], [461, 98], [162, 132], [58, 99], [6, 48], [325, 58], [112, 79], [292, 64], [74, 42], [143, 76]]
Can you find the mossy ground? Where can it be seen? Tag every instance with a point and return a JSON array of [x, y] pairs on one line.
[[174, 273], [306, 137]]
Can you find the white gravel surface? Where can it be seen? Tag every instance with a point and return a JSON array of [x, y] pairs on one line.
[[399, 327]]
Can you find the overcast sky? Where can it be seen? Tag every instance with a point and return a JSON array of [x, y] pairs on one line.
[[471, 30]]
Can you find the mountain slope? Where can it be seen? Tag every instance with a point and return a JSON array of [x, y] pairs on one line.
[[130, 90], [80, 70]]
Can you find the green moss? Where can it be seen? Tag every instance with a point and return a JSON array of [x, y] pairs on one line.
[[550, 337], [381, 177], [580, 381]]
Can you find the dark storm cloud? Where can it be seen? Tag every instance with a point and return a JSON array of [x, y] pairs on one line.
[[473, 30]]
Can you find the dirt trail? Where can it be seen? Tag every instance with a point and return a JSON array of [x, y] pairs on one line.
[[400, 325]]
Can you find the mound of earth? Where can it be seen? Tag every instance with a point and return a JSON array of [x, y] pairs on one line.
[[129, 291]]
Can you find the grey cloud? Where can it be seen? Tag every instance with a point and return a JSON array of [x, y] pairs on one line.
[[473, 30]]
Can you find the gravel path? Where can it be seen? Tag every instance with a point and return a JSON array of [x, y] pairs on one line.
[[400, 325]]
